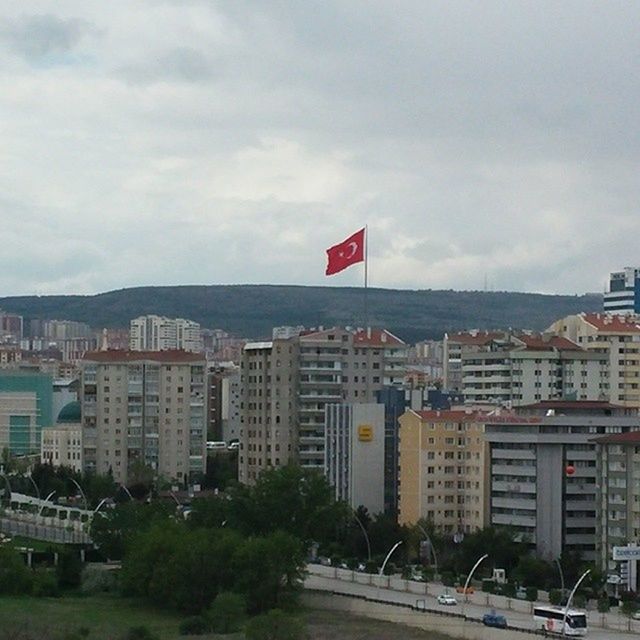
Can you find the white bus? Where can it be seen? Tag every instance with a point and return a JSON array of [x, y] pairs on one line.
[[550, 619]]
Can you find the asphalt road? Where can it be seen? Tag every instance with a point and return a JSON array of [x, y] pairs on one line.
[[619, 625]]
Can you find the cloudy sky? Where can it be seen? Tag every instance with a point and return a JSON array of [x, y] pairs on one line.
[[202, 142]]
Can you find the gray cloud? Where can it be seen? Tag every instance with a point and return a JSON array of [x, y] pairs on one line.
[[234, 142]]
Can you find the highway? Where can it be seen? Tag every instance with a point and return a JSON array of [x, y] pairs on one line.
[[322, 578]]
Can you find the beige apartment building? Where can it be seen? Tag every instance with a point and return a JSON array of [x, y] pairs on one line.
[[268, 406], [443, 470], [617, 339], [144, 408]]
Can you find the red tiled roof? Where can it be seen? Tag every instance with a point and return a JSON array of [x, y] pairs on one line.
[[172, 355], [478, 338], [539, 343], [486, 417], [612, 323], [631, 437], [377, 338]]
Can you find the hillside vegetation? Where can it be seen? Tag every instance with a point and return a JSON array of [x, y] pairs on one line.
[[251, 310]]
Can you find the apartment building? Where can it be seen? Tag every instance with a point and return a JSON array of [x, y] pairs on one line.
[[354, 453], [618, 505], [542, 474], [223, 407], [526, 368], [443, 470], [623, 296], [144, 407], [268, 406], [62, 442], [158, 333], [341, 365], [616, 338]]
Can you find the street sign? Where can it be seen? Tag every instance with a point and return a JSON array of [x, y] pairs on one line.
[[626, 553]]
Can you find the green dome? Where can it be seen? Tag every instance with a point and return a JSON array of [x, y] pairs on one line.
[[70, 413]]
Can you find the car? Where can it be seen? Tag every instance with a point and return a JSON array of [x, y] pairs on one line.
[[494, 620], [521, 593], [233, 446], [447, 599], [636, 615]]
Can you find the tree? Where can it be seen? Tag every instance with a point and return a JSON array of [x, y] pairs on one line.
[[629, 607], [533, 572], [68, 569], [227, 612], [275, 625], [500, 543], [603, 604], [555, 597], [15, 577]]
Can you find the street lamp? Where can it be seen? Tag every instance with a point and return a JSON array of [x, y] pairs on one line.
[[364, 533], [573, 591], [384, 564], [6, 479], [433, 549], [561, 576], [33, 482], [100, 504], [468, 580], [84, 497], [124, 486], [43, 504]]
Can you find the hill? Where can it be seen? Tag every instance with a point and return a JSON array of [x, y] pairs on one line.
[[251, 310]]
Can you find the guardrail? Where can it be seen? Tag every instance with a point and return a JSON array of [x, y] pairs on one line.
[[46, 533]]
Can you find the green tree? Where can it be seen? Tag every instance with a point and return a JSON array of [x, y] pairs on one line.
[[500, 543], [275, 625], [603, 604], [227, 613], [68, 569], [629, 607], [533, 572], [555, 596], [15, 577]]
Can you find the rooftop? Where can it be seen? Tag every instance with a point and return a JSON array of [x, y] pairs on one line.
[[612, 323], [171, 355], [377, 338], [540, 343], [630, 437], [573, 404], [475, 337]]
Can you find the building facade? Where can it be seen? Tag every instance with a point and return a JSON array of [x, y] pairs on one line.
[[443, 470], [62, 442], [623, 295], [354, 454], [157, 333], [144, 408]]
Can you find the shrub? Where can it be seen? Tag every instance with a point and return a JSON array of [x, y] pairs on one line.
[[371, 566], [579, 601], [407, 572], [447, 579], [194, 626], [275, 625], [69, 569], [532, 594], [488, 586], [555, 596], [139, 633], [603, 604], [45, 585], [629, 607], [15, 576], [226, 613], [509, 590], [390, 569], [97, 580]]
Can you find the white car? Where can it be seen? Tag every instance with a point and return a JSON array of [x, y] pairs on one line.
[[446, 598]]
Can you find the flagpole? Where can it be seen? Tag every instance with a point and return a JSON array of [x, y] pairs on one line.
[[366, 276]]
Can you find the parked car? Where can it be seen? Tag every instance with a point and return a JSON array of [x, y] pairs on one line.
[[521, 593], [494, 620], [446, 599]]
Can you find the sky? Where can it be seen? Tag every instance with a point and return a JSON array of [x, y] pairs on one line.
[[489, 144]]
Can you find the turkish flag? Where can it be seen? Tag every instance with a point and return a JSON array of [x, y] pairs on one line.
[[348, 252]]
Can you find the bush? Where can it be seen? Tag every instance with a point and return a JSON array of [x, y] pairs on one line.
[[371, 566], [579, 601], [68, 570], [628, 607], [140, 633], [194, 626], [532, 594], [275, 625], [509, 590], [488, 586], [604, 604], [15, 576], [447, 579], [407, 572], [555, 596], [390, 569], [227, 613], [45, 585], [97, 580]]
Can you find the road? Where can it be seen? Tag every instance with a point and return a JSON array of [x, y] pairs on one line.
[[618, 626]]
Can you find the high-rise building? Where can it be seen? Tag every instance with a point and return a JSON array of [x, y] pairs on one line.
[[157, 333], [543, 476], [443, 470], [354, 454], [26, 401], [624, 291], [269, 407], [144, 408], [223, 403], [11, 326]]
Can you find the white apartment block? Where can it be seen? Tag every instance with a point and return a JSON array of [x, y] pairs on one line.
[[158, 333], [616, 338], [144, 408], [354, 458], [62, 446]]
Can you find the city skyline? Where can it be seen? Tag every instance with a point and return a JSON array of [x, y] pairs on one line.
[[189, 143]]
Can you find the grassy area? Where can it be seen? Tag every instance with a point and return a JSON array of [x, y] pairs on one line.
[[109, 617], [31, 543]]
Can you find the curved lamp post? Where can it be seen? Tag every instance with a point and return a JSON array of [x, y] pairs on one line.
[[364, 533], [468, 580], [573, 591], [6, 479], [433, 549], [384, 564], [124, 486], [561, 576], [84, 497], [33, 482], [44, 503]]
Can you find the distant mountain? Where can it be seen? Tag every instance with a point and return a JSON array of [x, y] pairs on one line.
[[251, 310]]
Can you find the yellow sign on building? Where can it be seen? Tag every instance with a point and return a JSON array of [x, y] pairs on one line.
[[365, 433]]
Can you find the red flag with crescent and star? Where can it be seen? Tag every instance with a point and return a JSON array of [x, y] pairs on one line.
[[348, 252]]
